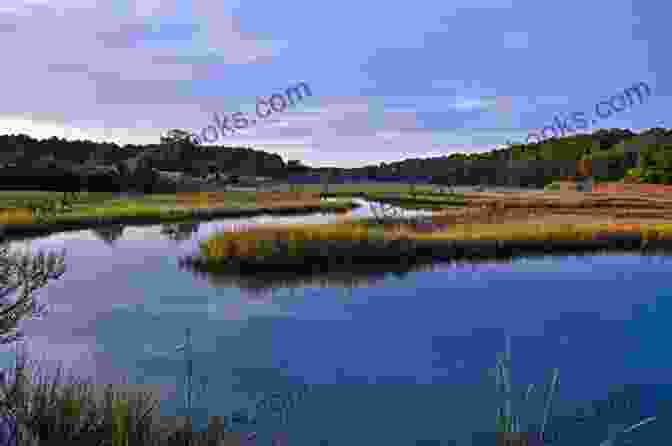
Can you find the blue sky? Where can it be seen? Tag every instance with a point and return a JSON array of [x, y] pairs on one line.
[[389, 80]]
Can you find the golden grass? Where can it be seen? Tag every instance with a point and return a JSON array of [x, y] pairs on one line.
[[243, 199], [545, 231], [266, 197], [259, 242], [16, 216]]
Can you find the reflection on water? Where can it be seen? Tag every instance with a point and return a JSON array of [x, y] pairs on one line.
[[109, 234], [367, 275], [179, 231], [260, 283]]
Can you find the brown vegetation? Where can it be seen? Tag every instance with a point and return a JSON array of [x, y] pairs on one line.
[[286, 197], [265, 199]]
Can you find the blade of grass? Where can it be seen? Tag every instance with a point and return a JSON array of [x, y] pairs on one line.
[[549, 400]]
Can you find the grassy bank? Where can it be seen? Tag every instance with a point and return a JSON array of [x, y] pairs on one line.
[[320, 247], [91, 210]]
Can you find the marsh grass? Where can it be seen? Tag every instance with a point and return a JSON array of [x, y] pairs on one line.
[[59, 410], [21, 216], [287, 241], [514, 415], [350, 189], [516, 231], [515, 422], [162, 207], [18, 198], [420, 199], [367, 239]]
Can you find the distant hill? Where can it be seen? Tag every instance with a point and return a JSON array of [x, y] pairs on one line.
[[614, 152]]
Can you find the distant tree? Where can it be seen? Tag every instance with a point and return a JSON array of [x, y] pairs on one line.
[[296, 166], [179, 142], [327, 177], [414, 171], [176, 136]]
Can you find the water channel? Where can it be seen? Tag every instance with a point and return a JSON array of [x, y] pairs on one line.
[[403, 360]]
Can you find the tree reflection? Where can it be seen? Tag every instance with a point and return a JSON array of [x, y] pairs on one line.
[[258, 279], [109, 234], [258, 283], [179, 231]]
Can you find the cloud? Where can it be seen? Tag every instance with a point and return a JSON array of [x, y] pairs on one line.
[[87, 61]]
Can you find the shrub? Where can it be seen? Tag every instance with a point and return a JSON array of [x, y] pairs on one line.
[[666, 177], [653, 176], [636, 172]]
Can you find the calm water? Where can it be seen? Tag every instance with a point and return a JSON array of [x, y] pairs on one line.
[[403, 359]]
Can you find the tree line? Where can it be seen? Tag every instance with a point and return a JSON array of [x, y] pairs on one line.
[[59, 164], [645, 156], [63, 165]]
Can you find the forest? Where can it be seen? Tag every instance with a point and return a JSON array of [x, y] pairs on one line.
[[59, 164]]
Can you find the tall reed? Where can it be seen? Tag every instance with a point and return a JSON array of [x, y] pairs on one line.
[[510, 425]]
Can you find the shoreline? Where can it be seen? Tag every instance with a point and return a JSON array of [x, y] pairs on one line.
[[323, 248], [16, 232], [346, 266]]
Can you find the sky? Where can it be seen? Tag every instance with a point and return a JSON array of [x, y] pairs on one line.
[[389, 80]]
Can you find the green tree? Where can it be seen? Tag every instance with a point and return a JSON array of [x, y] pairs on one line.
[[176, 136], [178, 142]]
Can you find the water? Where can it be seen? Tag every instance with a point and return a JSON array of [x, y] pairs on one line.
[[401, 360]]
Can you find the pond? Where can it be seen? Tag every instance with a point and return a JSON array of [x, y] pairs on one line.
[[401, 360]]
